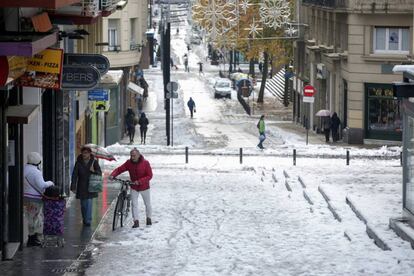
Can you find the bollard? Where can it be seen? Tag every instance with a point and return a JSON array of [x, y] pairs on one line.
[[401, 158], [241, 155], [186, 154], [347, 157], [294, 157]]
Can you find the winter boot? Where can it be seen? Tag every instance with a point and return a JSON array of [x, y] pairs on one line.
[[149, 222], [33, 241], [136, 224]]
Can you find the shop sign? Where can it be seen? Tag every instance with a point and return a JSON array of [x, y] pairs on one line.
[[44, 70], [98, 95], [100, 62], [11, 68], [101, 106], [80, 77]]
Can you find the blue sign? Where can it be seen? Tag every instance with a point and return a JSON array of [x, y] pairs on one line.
[[98, 95]]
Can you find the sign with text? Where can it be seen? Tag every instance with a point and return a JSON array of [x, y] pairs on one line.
[[44, 70], [309, 91], [11, 68], [80, 77], [308, 99], [98, 95], [100, 62]]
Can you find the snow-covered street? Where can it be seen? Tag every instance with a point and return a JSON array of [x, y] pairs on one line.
[[215, 216]]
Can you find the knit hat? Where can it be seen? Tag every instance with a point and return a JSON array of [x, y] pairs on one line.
[[34, 158]]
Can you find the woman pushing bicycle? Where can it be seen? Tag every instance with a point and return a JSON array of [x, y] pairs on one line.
[[140, 173]]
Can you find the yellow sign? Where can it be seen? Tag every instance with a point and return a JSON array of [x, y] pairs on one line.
[[101, 105], [44, 70], [47, 61]]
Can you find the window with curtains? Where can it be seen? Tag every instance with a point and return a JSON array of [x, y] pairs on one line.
[[113, 35], [391, 40]]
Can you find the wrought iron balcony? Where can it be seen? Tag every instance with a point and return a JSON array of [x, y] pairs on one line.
[[327, 3]]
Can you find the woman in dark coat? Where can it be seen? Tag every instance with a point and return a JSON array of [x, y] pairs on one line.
[[143, 126], [335, 122], [85, 165]]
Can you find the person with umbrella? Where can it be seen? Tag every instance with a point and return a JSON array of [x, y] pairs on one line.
[[326, 124], [85, 165]]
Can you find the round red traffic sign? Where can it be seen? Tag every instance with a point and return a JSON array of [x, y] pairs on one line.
[[309, 91]]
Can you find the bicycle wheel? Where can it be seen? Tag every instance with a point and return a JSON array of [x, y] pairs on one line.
[[117, 212], [124, 213]]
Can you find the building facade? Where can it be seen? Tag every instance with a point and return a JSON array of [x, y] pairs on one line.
[[347, 54]]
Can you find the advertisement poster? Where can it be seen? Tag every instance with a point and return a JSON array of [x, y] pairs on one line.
[[44, 70]]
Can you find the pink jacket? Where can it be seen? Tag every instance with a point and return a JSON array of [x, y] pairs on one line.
[[140, 171]]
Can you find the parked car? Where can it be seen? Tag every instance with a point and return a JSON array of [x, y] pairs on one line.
[[222, 88]]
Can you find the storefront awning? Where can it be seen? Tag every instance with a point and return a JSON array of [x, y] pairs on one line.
[[132, 87], [21, 114], [25, 44]]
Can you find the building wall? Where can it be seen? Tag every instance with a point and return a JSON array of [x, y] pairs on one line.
[[347, 54], [125, 56]]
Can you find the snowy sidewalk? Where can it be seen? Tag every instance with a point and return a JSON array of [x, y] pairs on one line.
[[228, 219]]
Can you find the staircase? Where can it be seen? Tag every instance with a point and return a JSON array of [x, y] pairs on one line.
[[276, 85]]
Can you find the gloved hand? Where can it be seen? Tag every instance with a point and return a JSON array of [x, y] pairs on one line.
[[137, 183], [111, 177]]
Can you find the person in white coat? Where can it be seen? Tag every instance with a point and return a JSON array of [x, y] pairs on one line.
[[34, 187]]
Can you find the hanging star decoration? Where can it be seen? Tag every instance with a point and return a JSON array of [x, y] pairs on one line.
[[254, 29], [291, 31], [274, 13], [215, 16], [244, 5]]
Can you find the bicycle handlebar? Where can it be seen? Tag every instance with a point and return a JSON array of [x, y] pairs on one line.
[[126, 182]]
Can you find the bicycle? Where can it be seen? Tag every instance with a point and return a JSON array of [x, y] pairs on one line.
[[123, 204]]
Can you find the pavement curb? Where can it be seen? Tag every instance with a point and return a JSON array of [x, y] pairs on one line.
[[371, 232], [402, 230]]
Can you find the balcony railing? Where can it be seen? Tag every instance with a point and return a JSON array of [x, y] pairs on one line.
[[114, 48], [327, 3], [135, 47]]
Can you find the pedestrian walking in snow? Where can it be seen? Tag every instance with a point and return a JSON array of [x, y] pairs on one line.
[[143, 127], [326, 124], [130, 123], [34, 186], [200, 68], [187, 69], [172, 64], [335, 122], [86, 164], [262, 135], [140, 173], [191, 105]]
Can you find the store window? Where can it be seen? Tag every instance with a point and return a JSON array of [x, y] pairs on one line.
[[384, 119], [391, 40]]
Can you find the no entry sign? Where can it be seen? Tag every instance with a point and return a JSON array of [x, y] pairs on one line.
[[309, 91]]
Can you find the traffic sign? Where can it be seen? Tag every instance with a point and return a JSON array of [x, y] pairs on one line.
[[172, 86], [308, 99], [98, 95], [309, 91], [173, 95]]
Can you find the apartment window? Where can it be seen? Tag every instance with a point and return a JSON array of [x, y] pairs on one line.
[[391, 40], [133, 30], [113, 35]]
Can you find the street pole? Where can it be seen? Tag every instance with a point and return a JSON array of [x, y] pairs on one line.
[[166, 68]]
